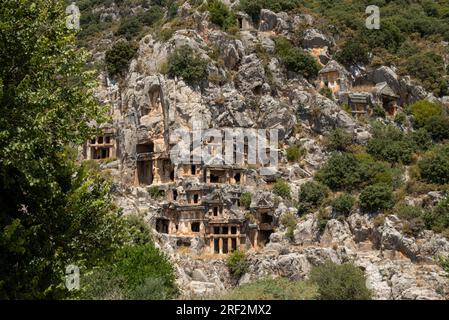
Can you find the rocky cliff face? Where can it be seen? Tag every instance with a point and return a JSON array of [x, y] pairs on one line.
[[250, 90]]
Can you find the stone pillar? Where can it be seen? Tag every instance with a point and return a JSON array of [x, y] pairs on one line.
[[211, 244], [220, 245], [229, 244]]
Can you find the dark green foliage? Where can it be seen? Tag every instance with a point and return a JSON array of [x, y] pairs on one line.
[[237, 263], [343, 204], [437, 219], [346, 171], [400, 118], [390, 144], [129, 28], [293, 153], [295, 59], [245, 199], [340, 282], [135, 272], [388, 36], [185, 63], [352, 53], [117, 58], [427, 67], [338, 140], [434, 166], [377, 197], [423, 111], [281, 188], [151, 16], [421, 139], [340, 172], [53, 211], [323, 218], [289, 220], [155, 192], [378, 111], [438, 127], [325, 91], [221, 15], [413, 219], [311, 196]]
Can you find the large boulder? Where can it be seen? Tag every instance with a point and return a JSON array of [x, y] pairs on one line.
[[313, 38]]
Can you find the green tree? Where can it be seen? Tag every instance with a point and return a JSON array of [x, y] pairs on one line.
[[343, 204], [185, 63], [311, 195], [376, 197], [281, 188], [434, 166], [237, 263], [423, 110], [390, 144], [221, 15], [340, 282], [338, 140], [352, 53], [118, 57], [53, 212], [245, 199]]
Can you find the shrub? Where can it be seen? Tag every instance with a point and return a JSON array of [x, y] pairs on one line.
[[311, 195], [293, 153], [352, 53], [323, 218], [438, 127], [423, 110], [135, 272], [338, 140], [237, 263], [289, 220], [421, 139], [390, 144], [273, 289], [434, 166], [438, 218], [427, 67], [118, 57], [376, 197], [221, 15], [245, 199], [155, 192], [327, 92], [340, 172], [296, 59], [343, 204], [340, 282], [413, 217], [378, 111], [129, 28], [184, 63], [281, 188], [400, 118], [152, 15]]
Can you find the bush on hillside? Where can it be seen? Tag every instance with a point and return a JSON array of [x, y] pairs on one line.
[[281, 188], [376, 198], [338, 140], [237, 263], [311, 196], [340, 282], [221, 15], [185, 63], [343, 204], [117, 58], [424, 110], [245, 199], [434, 166]]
